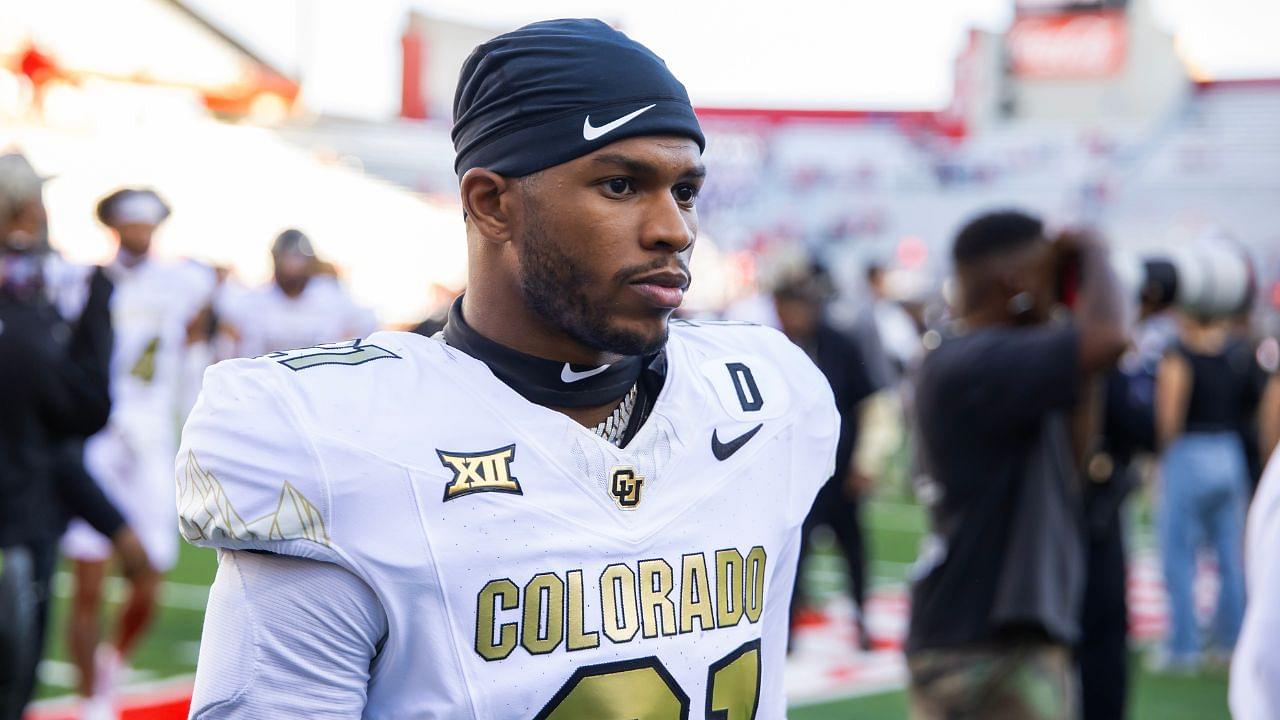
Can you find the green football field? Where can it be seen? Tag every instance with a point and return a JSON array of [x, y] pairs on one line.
[[894, 527]]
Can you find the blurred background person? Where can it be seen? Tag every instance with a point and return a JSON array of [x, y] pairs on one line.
[[1205, 390], [303, 305], [999, 583], [1269, 417], [799, 298], [1111, 475], [153, 305], [54, 390], [886, 332]]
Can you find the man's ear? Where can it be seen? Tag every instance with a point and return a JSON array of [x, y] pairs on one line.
[[486, 200]]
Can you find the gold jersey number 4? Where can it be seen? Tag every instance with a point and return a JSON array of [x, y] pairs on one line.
[[643, 690]]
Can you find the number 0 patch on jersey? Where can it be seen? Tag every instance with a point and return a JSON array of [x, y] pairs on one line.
[[749, 388]]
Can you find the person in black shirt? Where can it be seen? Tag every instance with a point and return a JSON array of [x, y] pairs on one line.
[[53, 391], [1128, 428], [44, 396], [799, 303], [1206, 387], [996, 602]]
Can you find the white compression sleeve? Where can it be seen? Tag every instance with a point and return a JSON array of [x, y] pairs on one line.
[[286, 637]]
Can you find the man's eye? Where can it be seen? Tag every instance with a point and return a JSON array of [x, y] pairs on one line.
[[686, 193], [619, 186]]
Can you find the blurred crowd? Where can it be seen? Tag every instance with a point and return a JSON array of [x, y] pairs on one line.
[[99, 366], [1036, 397], [1023, 406]]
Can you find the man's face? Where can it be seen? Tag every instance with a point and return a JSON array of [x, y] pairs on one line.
[[28, 229], [1016, 286], [797, 315], [136, 237], [1025, 280], [604, 243], [292, 271]]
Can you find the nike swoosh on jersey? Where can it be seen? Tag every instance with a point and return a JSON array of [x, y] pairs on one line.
[[591, 133], [722, 450], [569, 375]]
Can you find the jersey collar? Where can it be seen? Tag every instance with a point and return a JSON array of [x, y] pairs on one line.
[[550, 383]]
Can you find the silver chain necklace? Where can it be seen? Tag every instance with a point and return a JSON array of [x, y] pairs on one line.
[[614, 426]]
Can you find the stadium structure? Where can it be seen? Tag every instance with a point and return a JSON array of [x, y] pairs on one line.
[[1082, 110]]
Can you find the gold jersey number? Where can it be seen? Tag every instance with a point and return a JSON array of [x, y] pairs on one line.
[[643, 690]]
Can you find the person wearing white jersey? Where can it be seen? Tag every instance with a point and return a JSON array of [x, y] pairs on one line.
[[563, 506], [299, 308], [153, 302]]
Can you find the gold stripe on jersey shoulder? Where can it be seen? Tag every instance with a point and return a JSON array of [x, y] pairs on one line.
[[206, 513]]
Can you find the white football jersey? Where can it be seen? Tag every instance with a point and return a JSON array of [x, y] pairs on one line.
[[527, 568], [151, 306], [267, 320]]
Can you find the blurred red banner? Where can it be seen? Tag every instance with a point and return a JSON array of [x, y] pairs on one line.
[[1068, 46]]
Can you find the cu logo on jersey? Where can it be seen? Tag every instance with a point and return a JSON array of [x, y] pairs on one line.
[[488, 471], [624, 487]]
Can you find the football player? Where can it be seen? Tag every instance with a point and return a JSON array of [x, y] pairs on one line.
[[153, 302], [564, 505], [300, 307]]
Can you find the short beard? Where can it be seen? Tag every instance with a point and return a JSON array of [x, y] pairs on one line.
[[554, 285]]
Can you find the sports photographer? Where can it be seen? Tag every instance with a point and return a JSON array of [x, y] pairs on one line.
[[1006, 407]]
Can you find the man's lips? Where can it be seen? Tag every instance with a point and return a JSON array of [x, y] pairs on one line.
[[662, 289]]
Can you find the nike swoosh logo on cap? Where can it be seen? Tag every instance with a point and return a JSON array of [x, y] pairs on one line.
[[722, 450], [569, 375], [591, 133]]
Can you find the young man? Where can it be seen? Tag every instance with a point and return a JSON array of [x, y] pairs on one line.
[[151, 306], [560, 509], [299, 308], [996, 605]]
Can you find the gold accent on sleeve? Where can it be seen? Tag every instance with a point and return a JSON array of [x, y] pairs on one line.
[[753, 582], [508, 594], [656, 602], [205, 512], [730, 588], [535, 607], [579, 638], [695, 594], [618, 592]]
